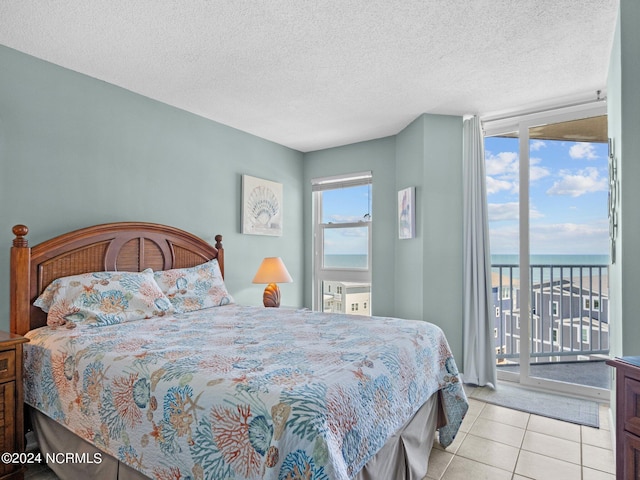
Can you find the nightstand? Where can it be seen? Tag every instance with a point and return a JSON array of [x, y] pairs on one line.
[[11, 403], [627, 417]]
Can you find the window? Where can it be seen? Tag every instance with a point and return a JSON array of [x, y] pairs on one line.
[[586, 334], [497, 311], [554, 308], [587, 304], [342, 240]]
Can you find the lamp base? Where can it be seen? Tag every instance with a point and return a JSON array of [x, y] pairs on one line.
[[271, 296]]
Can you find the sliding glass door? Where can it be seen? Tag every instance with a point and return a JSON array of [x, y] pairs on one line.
[[547, 189]]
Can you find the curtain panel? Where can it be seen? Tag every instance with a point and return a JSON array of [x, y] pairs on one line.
[[479, 364]]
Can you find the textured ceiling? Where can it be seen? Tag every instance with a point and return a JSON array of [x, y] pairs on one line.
[[316, 74]]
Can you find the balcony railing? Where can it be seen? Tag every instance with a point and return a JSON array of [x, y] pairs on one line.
[[569, 318]]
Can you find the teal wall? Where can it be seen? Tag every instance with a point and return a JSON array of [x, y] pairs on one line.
[[419, 278], [408, 272], [624, 124], [75, 151], [428, 270], [442, 218], [376, 156]]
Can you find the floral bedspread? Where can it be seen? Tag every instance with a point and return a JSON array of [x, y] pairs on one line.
[[242, 392]]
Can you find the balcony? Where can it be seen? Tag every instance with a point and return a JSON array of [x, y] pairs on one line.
[[569, 321]]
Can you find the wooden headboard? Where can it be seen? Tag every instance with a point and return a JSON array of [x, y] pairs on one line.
[[122, 246]]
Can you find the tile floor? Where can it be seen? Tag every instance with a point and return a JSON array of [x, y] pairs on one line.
[[499, 443]]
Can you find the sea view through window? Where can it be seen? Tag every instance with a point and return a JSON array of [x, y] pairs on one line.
[[565, 290]]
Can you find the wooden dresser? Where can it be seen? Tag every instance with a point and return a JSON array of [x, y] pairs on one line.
[[11, 404], [627, 417]]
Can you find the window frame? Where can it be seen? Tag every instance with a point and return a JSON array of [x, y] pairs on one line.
[[321, 273]]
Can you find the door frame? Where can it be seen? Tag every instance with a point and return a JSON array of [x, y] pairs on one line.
[[521, 124]]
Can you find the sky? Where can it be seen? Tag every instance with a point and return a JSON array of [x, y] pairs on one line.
[[568, 196], [346, 205], [568, 200]]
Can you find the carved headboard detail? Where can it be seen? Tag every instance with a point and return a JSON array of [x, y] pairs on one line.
[[121, 246]]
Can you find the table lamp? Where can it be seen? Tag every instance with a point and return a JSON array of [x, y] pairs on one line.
[[272, 271]]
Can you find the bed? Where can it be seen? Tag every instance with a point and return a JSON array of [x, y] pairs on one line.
[[181, 382]]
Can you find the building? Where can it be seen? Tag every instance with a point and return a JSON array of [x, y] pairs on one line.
[[347, 297], [570, 317]]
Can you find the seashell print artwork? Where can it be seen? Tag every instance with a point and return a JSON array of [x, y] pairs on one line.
[[261, 206]]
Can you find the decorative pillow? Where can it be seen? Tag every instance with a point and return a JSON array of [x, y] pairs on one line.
[[194, 288], [103, 298]]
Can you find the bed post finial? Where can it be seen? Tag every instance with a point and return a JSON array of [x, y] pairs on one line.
[[20, 231], [220, 253], [19, 281]]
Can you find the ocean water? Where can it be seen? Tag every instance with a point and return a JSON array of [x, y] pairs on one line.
[[345, 261], [550, 265], [360, 261], [553, 260]]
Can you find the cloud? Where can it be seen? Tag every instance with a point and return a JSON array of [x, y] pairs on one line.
[[583, 182], [500, 212], [583, 150], [556, 238], [504, 163], [503, 172], [536, 145], [345, 219], [537, 172], [494, 185], [565, 238]]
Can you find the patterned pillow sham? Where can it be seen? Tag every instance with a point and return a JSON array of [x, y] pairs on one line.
[[194, 288], [103, 298]]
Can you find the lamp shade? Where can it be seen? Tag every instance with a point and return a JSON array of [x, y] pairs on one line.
[[272, 270]]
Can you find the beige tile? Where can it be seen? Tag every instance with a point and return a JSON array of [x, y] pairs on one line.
[[462, 468], [605, 417], [539, 467], [499, 432], [453, 446], [590, 474], [520, 477], [467, 422], [475, 406], [552, 446], [505, 415], [555, 428], [597, 437], [598, 458], [438, 462], [489, 452]]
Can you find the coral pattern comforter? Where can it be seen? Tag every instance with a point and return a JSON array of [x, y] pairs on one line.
[[242, 392]]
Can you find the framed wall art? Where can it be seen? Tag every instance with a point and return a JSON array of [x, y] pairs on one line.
[[407, 213], [261, 206]]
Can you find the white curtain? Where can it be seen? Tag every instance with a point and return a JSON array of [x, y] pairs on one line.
[[479, 364]]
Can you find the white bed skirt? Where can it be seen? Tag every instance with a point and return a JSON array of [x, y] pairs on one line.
[[405, 456]]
